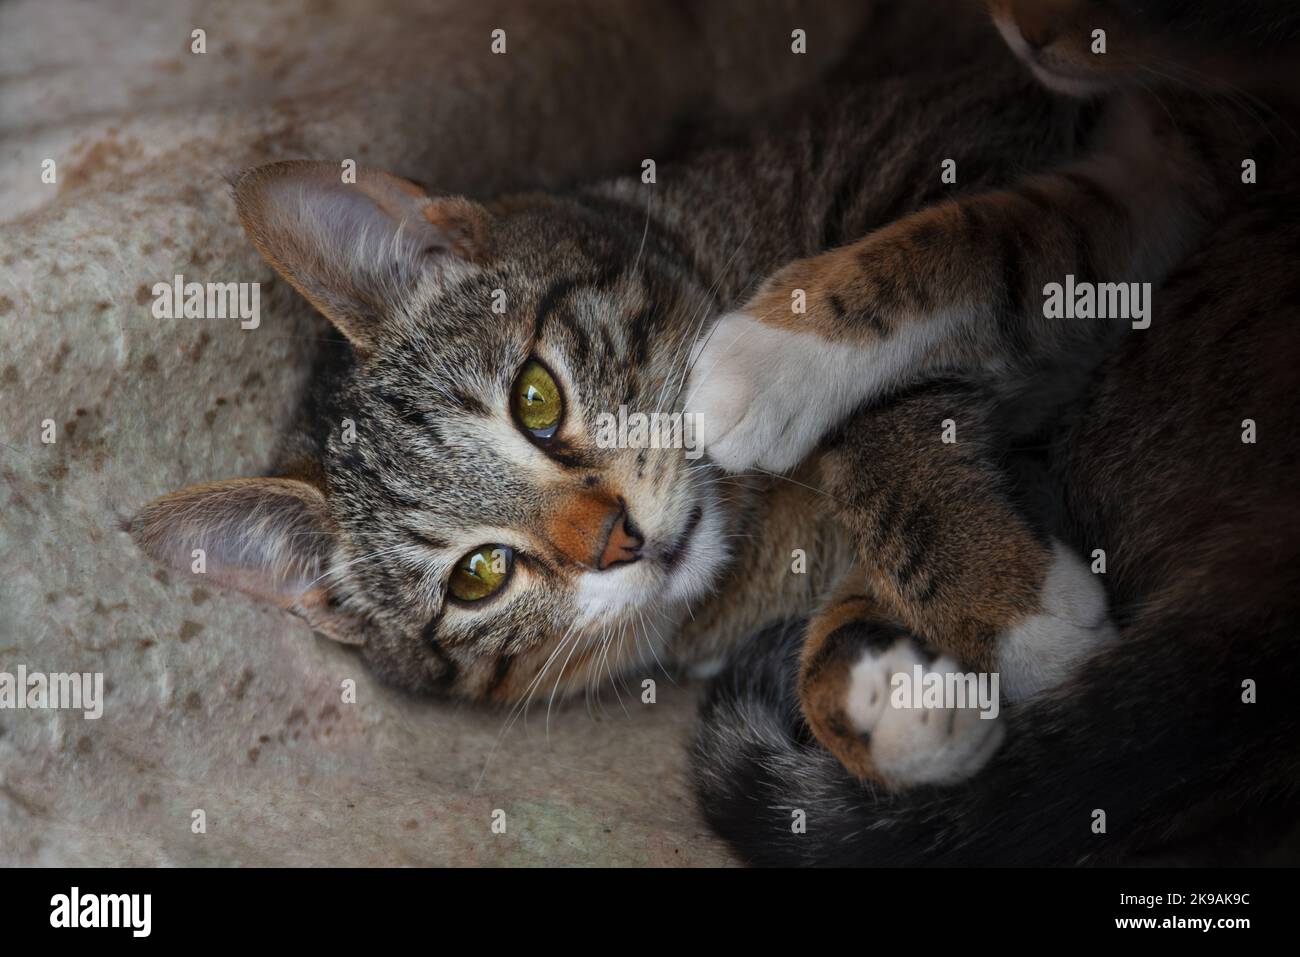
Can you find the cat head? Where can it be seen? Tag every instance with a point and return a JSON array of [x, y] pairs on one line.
[[1089, 47], [465, 523]]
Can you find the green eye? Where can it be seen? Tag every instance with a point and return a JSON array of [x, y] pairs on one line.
[[481, 573], [536, 400]]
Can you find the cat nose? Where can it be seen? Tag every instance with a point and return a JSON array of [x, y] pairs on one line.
[[1037, 38], [623, 544], [592, 529], [1037, 21], [1036, 26]]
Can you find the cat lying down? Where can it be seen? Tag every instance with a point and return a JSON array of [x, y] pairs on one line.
[[454, 514], [211, 701]]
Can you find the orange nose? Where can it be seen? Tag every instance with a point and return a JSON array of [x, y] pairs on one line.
[[593, 529], [621, 546], [1039, 21]]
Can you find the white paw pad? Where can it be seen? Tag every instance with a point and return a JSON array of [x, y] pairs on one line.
[[920, 736]]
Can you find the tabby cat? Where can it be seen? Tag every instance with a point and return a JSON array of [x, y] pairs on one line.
[[448, 508], [451, 512], [1157, 468]]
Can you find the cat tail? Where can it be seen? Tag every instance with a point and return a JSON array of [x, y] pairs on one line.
[[1154, 734]]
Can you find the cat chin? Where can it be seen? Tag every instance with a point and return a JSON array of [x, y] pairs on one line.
[[1080, 87]]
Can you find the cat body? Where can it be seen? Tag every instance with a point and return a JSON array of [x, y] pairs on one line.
[[1152, 744], [452, 514], [616, 281], [1181, 733]]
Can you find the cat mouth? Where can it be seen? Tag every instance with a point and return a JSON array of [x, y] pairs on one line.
[[1077, 83], [1050, 71], [674, 554]]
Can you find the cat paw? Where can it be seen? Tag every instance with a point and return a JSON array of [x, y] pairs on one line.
[[765, 396], [880, 727], [1073, 623]]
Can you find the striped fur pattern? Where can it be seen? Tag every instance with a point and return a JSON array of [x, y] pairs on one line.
[[1149, 464], [957, 287], [609, 286]]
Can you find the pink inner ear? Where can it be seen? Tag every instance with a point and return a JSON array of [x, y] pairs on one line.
[[270, 538], [354, 249]]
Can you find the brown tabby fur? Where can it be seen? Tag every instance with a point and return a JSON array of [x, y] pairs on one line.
[[946, 552], [613, 282]]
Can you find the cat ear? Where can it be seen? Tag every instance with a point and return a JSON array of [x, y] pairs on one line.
[[355, 249], [270, 538]]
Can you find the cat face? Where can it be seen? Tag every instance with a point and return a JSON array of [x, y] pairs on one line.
[[1088, 47], [465, 523]]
